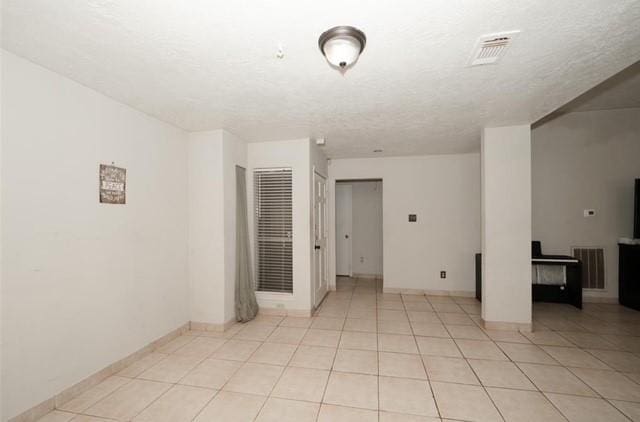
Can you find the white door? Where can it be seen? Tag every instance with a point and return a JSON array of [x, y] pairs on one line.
[[320, 237], [343, 229]]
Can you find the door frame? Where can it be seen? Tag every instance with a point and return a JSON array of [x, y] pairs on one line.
[[324, 250], [345, 175]]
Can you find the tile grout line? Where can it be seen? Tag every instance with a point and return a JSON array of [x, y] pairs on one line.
[[424, 366], [335, 355]]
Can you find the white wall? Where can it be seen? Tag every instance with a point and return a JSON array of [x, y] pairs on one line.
[[87, 284], [84, 284], [506, 227], [2, 413], [213, 156], [206, 227], [366, 232], [444, 192], [586, 160]]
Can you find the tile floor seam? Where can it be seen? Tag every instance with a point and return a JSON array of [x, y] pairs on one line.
[[378, 354], [205, 405], [172, 385], [546, 396], [281, 373], [433, 396], [223, 384], [326, 386], [217, 390], [619, 410], [484, 388], [597, 358]]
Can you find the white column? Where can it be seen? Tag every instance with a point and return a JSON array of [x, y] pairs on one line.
[[506, 227]]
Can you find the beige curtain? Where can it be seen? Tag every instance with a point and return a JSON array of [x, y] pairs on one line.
[[246, 304]]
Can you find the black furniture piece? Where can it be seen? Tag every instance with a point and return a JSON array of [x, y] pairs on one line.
[[629, 275], [569, 292]]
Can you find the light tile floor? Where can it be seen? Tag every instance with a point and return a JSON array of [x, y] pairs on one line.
[[369, 356]]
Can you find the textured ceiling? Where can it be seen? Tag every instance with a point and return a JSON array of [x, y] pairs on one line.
[[620, 91], [206, 64]]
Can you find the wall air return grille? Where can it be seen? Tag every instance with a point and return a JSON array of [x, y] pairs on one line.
[[273, 228], [490, 48], [592, 266]]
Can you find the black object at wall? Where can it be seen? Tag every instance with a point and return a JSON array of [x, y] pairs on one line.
[[629, 275], [636, 211], [570, 293]]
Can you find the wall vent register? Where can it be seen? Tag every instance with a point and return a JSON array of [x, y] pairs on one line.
[[592, 260], [273, 228]]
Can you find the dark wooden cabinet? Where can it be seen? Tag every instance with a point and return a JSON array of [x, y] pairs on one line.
[[629, 275], [571, 292]]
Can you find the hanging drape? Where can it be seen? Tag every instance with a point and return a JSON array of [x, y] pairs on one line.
[[246, 304]]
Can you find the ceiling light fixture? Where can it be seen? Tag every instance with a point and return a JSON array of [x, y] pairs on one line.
[[342, 45]]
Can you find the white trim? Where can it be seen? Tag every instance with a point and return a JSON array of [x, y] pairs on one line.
[[271, 169], [325, 226], [537, 260], [208, 326], [599, 299], [299, 313], [457, 293], [525, 327], [315, 170], [38, 411], [367, 276], [274, 295]]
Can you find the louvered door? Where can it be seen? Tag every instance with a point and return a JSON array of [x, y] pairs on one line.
[[274, 233]]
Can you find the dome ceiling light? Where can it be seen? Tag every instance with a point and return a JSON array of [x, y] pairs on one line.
[[342, 45]]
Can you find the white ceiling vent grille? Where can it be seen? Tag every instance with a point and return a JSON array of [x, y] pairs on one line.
[[490, 48]]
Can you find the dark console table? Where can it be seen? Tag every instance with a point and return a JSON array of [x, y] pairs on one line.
[[629, 275], [570, 293]]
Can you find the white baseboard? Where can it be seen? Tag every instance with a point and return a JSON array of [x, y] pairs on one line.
[[367, 276], [599, 299], [50, 404], [507, 326], [302, 313], [458, 293], [208, 326]]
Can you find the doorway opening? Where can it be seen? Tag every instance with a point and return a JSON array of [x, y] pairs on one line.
[[358, 225]]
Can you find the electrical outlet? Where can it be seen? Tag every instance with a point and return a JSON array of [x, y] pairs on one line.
[[589, 213], [361, 259], [443, 274]]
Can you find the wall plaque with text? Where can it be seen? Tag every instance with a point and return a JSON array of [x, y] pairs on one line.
[[113, 184]]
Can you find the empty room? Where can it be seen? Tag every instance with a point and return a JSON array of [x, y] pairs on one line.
[[336, 211]]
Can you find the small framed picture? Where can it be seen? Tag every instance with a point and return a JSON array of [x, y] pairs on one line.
[[113, 184]]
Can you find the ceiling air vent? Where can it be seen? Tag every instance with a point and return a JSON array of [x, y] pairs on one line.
[[490, 48]]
